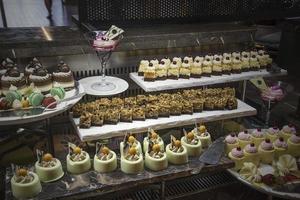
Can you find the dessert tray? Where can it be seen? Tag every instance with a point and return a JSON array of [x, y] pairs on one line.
[[108, 131], [71, 98], [288, 191], [192, 82]]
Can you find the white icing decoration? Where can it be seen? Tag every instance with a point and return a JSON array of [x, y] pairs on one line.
[[8, 78], [38, 78]]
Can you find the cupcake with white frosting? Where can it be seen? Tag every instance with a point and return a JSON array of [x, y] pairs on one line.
[[245, 58], [63, 76], [185, 70], [217, 65], [196, 69], [190, 59], [173, 71], [161, 71], [226, 64], [142, 66], [236, 65], [207, 67]]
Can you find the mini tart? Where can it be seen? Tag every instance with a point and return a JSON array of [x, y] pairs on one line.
[[238, 162], [266, 156], [293, 148], [156, 164], [104, 166], [78, 167], [26, 190], [192, 150], [138, 147], [146, 144], [177, 158], [132, 166], [49, 174]]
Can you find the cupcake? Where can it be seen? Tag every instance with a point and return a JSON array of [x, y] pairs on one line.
[[173, 71], [217, 65], [63, 76], [245, 61], [142, 66], [236, 65], [154, 138], [15, 78], [281, 147], [161, 71], [48, 168], [185, 70], [192, 144], [207, 67], [176, 152], [156, 158], [251, 154], [196, 69], [266, 151], [41, 79], [273, 133], [204, 136], [254, 64], [25, 184], [149, 73], [287, 131], [231, 142], [237, 155], [78, 161], [226, 64], [294, 145], [257, 136], [244, 138], [105, 160]]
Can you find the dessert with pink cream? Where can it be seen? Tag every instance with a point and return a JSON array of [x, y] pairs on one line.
[[266, 151], [237, 155], [231, 142], [257, 136], [280, 147], [244, 138], [251, 154]]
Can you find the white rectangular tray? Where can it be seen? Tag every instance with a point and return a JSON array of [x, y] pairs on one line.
[[108, 131], [192, 82]]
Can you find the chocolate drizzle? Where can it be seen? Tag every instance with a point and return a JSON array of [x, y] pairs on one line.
[[40, 72], [63, 67], [13, 72]]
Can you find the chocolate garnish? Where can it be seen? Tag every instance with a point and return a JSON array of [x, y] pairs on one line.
[[40, 72], [13, 72], [245, 131], [174, 62], [281, 139], [245, 56], [239, 148], [217, 59], [64, 68], [232, 135], [150, 64], [252, 145], [186, 61], [162, 62], [197, 61], [267, 140], [259, 129], [237, 58]]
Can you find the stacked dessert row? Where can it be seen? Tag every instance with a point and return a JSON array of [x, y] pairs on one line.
[[262, 146], [208, 65], [34, 73], [141, 107], [26, 184]]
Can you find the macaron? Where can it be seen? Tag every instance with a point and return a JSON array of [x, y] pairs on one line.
[[49, 100], [58, 91], [36, 99], [13, 95]]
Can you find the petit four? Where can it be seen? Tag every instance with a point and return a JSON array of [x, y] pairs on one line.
[[254, 64], [149, 73], [196, 69], [244, 138], [203, 135], [294, 145], [161, 71], [281, 147], [287, 131], [273, 133], [78, 161], [185, 70], [142, 67], [257, 136], [236, 65], [173, 71], [155, 157], [63, 76], [231, 142], [226, 64], [154, 138], [105, 160], [48, 168], [191, 143], [176, 152], [245, 61], [266, 151], [237, 155], [217, 65], [132, 142], [41, 79], [207, 67], [251, 154]]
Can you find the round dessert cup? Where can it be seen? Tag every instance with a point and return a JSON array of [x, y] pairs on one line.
[[257, 140], [26, 190], [138, 147], [252, 157], [132, 167], [238, 162], [244, 143], [49, 174], [272, 137], [280, 151], [79, 166], [229, 147], [156, 164], [293, 148], [177, 158], [146, 144], [205, 141], [266, 157], [285, 135], [192, 150], [105, 166]]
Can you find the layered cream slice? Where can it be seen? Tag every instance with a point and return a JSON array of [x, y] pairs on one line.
[[78, 161], [176, 152], [131, 156], [25, 184], [154, 138], [48, 168], [192, 144], [105, 160], [156, 158]]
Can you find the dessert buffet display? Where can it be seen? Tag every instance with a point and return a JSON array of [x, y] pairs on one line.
[[265, 157], [208, 65], [142, 107]]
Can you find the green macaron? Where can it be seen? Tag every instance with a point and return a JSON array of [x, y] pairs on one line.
[[36, 99], [13, 95], [58, 91]]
